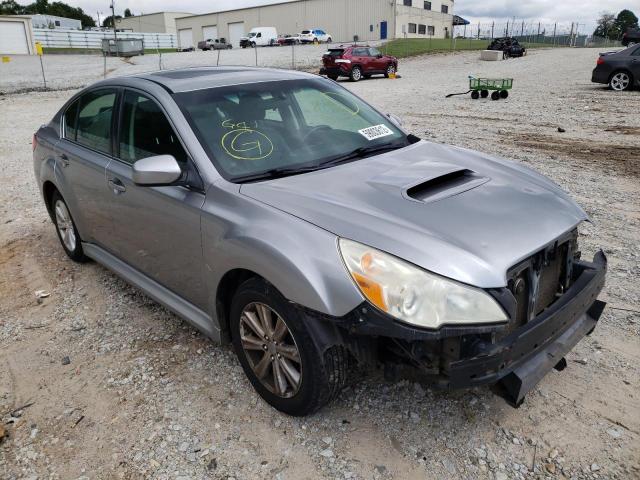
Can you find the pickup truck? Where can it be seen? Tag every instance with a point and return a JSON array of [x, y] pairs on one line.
[[214, 44]]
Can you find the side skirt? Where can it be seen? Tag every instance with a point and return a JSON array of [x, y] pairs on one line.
[[178, 305]]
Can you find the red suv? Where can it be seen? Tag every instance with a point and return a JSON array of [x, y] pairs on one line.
[[356, 62]]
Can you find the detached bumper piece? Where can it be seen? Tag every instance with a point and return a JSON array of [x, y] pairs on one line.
[[520, 360]]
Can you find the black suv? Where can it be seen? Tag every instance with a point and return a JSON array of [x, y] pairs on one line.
[[631, 37]]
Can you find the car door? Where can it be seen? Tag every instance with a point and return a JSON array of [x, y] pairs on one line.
[[156, 230], [82, 156], [377, 64], [361, 57], [634, 64]]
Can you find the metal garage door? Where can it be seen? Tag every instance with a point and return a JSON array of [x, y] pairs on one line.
[[185, 38], [209, 32], [13, 38], [236, 30]]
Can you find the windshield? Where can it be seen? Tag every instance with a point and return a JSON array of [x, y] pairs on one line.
[[254, 128]]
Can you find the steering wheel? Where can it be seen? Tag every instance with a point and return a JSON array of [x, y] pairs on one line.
[[315, 130]]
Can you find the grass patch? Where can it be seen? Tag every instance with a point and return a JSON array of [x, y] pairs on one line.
[[409, 47]]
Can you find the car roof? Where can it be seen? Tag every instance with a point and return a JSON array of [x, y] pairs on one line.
[[198, 78]]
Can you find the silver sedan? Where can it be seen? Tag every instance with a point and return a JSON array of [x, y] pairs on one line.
[[280, 212]]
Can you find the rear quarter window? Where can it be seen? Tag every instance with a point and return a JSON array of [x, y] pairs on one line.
[[70, 121]]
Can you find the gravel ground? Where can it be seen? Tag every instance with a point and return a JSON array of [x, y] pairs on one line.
[[98, 381]]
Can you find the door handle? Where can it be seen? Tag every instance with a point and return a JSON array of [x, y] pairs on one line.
[[117, 186], [64, 160]]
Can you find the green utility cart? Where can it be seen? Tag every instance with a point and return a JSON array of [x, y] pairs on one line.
[[480, 87]]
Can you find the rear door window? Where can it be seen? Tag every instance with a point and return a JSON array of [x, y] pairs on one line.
[[95, 114]]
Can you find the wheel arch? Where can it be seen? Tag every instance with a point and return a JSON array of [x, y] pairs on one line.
[[227, 287], [48, 189], [622, 70]]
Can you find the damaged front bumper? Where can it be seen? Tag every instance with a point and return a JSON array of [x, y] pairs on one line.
[[461, 357]]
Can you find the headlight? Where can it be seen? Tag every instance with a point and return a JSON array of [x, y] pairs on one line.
[[413, 295]]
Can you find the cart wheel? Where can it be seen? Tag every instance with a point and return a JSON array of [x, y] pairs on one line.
[[504, 93], [484, 93], [475, 95], [495, 95]]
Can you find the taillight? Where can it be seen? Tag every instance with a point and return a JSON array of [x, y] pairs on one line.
[[34, 142], [600, 61]]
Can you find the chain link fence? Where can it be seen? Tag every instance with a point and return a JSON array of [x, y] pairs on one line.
[[70, 71]]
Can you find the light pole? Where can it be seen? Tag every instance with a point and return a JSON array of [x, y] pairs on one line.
[[113, 21]]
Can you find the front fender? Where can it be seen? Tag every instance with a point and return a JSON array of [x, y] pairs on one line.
[[300, 259]]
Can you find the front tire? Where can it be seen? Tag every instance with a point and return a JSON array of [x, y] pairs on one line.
[[391, 70], [356, 74], [278, 354], [621, 81], [66, 229]]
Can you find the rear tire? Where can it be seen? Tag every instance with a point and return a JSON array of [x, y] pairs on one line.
[[356, 74], [495, 95], [66, 229], [333, 77], [311, 381], [620, 81], [504, 93], [484, 93]]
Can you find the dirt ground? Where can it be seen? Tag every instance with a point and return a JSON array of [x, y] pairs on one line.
[[98, 381]]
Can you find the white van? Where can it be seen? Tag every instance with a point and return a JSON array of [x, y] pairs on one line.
[[260, 37]]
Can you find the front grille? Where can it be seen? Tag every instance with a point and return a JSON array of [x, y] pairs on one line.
[[540, 280]]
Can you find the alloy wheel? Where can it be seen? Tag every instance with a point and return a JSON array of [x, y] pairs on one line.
[[620, 81], [270, 349], [356, 74], [65, 225]]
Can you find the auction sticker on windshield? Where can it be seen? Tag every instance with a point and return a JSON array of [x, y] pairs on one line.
[[376, 131]]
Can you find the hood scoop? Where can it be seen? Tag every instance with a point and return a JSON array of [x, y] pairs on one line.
[[445, 185]]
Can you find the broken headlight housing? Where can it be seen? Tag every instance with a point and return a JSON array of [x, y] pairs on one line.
[[413, 295]]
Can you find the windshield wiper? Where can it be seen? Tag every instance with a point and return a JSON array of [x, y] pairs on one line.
[[274, 173], [360, 152], [288, 171]]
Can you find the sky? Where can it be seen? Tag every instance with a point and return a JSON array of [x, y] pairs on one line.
[[584, 12]]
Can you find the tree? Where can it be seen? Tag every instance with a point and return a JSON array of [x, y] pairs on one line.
[[127, 13], [606, 26], [625, 20], [10, 7], [108, 22], [58, 9]]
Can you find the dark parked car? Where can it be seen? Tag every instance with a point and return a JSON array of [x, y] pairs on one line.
[[509, 46], [214, 44], [631, 37], [620, 70], [356, 62]]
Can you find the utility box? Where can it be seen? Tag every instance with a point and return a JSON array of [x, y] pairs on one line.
[[491, 55], [123, 47]]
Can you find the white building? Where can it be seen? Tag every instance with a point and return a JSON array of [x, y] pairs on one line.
[[16, 35], [342, 19], [53, 22], [160, 22]]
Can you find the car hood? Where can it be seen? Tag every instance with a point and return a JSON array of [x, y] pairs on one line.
[[452, 211]]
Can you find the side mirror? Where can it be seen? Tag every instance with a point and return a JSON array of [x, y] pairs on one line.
[[157, 170], [395, 120], [379, 55]]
